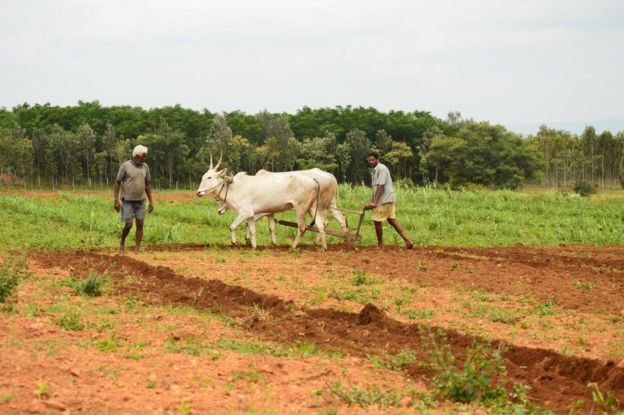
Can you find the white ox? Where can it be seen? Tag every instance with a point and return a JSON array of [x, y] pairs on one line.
[[328, 195], [256, 196]]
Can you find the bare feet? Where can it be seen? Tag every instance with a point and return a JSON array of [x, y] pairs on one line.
[[409, 245]]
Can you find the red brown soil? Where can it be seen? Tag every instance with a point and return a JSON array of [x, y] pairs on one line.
[[557, 381]]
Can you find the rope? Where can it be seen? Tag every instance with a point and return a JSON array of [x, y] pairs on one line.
[[227, 188]]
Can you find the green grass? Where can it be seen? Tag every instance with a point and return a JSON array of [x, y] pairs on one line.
[[430, 217]]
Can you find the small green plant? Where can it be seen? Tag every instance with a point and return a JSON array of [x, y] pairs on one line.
[[92, 286], [259, 313], [607, 403], [504, 315], [546, 309], [368, 396], [395, 361], [71, 320], [584, 188], [10, 272], [42, 390], [420, 314], [107, 345], [151, 384], [474, 379], [421, 266], [185, 408], [478, 375], [133, 350], [32, 310], [360, 278], [189, 346], [249, 376], [303, 349], [584, 285], [7, 397]]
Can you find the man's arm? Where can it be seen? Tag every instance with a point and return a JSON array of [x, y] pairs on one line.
[[116, 204], [378, 192], [148, 192]]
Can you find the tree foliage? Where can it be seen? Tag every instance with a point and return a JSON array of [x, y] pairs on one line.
[[85, 143]]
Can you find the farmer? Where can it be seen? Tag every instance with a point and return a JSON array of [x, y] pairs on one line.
[[383, 201], [134, 180]]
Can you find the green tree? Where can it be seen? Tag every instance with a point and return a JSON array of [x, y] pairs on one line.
[[358, 146], [399, 157], [484, 154], [86, 136]]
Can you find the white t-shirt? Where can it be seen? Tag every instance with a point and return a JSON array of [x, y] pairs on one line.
[[381, 177]]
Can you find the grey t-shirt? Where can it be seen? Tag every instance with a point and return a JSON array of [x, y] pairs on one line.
[[381, 177], [132, 180]]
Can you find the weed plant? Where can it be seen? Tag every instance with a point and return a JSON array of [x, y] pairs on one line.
[[395, 361], [71, 320], [477, 376], [11, 270], [92, 286]]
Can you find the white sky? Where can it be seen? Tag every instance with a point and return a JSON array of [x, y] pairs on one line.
[[515, 61]]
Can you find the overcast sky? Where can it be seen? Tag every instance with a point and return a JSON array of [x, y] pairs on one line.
[[508, 62]]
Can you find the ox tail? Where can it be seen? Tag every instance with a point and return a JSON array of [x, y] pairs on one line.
[[318, 201]]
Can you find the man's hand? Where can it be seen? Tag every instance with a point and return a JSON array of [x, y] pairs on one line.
[[117, 205], [150, 208], [370, 206]]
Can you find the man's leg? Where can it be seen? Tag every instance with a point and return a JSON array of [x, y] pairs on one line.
[[379, 233], [124, 233], [139, 235], [396, 225]]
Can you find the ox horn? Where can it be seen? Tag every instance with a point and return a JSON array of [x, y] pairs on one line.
[[219, 162], [210, 161]]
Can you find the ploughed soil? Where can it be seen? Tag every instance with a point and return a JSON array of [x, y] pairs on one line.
[[558, 381]]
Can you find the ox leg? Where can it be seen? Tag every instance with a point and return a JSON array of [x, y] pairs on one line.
[[301, 228], [319, 221], [242, 215], [271, 219], [251, 227], [247, 233], [317, 240]]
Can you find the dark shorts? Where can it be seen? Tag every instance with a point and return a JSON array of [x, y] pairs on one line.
[[132, 209]]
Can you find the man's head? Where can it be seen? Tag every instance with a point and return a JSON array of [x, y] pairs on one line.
[[139, 154], [372, 159]]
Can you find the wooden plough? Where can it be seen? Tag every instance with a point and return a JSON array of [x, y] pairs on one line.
[[350, 236]]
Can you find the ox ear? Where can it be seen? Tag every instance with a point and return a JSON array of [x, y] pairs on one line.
[[226, 178]]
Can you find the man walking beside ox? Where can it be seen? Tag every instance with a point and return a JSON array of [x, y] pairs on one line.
[[134, 180], [383, 201]]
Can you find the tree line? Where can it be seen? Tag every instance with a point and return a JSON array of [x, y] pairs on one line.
[[46, 145]]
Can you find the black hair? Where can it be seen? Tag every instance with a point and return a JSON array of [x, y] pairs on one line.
[[373, 154]]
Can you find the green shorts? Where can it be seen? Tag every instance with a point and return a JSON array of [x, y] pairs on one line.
[[132, 209]]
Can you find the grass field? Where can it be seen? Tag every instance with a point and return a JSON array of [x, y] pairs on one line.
[[431, 217]]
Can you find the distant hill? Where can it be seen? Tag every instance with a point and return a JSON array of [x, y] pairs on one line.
[[608, 124]]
